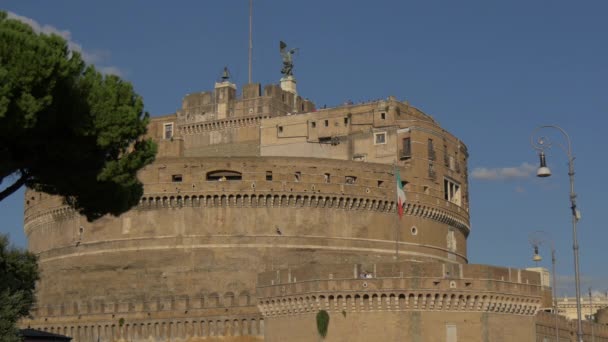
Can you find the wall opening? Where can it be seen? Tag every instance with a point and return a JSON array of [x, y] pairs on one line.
[[223, 175]]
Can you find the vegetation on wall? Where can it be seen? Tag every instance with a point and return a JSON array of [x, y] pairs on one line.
[[65, 128], [322, 322], [18, 275]]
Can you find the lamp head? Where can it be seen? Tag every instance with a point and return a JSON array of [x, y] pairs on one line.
[[536, 257], [543, 170]]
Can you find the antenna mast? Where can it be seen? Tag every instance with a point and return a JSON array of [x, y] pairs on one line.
[[250, 36]]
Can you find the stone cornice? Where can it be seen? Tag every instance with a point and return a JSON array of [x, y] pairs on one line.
[[300, 200], [276, 199]]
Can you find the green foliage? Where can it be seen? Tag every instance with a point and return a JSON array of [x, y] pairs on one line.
[[18, 275], [65, 128], [322, 322], [121, 322]]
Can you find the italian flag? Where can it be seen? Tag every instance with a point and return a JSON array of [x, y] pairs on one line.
[[400, 193]]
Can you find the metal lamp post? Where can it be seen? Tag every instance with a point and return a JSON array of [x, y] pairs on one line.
[[536, 239], [541, 143]]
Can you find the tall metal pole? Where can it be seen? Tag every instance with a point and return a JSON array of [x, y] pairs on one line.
[[541, 145], [397, 218], [555, 310], [536, 239], [250, 36], [591, 316]]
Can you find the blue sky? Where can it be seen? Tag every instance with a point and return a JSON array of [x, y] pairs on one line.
[[488, 71]]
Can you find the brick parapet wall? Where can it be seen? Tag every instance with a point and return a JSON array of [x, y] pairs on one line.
[[546, 323], [404, 286]]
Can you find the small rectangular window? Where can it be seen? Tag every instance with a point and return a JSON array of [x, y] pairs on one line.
[[432, 173], [268, 175], [297, 176], [176, 178], [326, 123], [380, 182], [451, 334], [350, 179], [280, 129], [431, 149], [406, 150], [313, 124], [168, 134], [380, 138], [345, 121], [383, 116], [451, 191], [327, 177]]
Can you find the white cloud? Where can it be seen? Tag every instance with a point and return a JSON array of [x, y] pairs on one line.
[[111, 70], [525, 170], [90, 57]]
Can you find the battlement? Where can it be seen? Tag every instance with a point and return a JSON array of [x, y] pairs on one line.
[[434, 273]]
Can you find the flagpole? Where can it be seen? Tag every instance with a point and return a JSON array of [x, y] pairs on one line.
[[396, 216], [250, 36]]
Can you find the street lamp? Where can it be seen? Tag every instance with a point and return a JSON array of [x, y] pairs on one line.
[[537, 238], [541, 144]]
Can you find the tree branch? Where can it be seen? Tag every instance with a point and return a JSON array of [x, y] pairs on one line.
[[18, 183]]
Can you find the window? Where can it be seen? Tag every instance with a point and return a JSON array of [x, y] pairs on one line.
[[350, 179], [268, 175], [380, 182], [168, 134], [431, 149], [359, 157], [432, 173], [326, 177], [451, 191], [383, 116], [446, 159], [280, 129], [297, 176], [451, 242], [326, 123], [451, 334], [345, 121], [313, 124], [176, 178], [223, 175], [406, 150], [380, 138]]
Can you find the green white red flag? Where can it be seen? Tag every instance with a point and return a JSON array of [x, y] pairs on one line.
[[400, 194]]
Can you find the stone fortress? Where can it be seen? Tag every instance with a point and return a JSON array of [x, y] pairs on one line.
[[261, 210]]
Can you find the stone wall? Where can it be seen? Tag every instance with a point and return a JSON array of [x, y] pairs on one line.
[[401, 302]]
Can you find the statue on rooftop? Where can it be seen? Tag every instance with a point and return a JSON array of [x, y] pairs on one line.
[[287, 56]]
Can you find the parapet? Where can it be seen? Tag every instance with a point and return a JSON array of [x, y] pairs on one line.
[[399, 286]]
